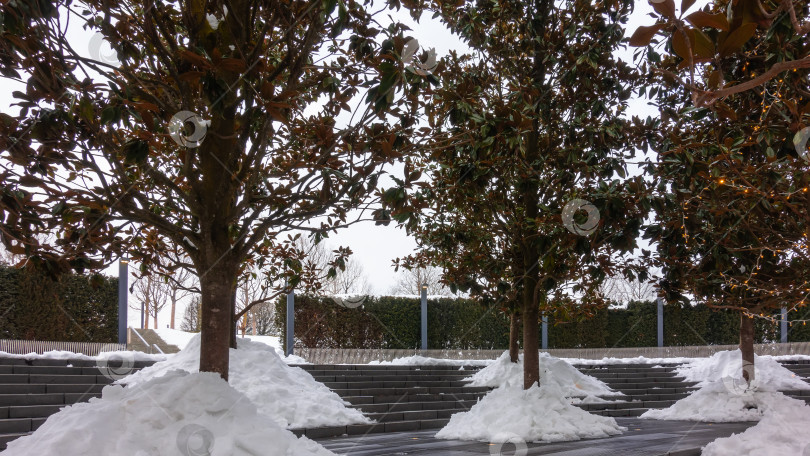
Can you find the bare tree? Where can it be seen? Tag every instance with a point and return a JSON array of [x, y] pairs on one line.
[[410, 282], [153, 292], [622, 290], [351, 280], [191, 316]]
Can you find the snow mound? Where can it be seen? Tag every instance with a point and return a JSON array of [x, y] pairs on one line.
[[418, 360], [566, 377], [718, 401], [178, 413], [769, 375], [538, 414], [782, 431], [68, 355], [287, 394]]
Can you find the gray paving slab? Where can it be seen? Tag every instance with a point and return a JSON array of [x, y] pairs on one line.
[[642, 438]]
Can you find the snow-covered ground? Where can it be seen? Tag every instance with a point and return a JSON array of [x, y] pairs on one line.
[[724, 395], [289, 395], [61, 354], [177, 413], [569, 380], [182, 338], [782, 431], [539, 414]]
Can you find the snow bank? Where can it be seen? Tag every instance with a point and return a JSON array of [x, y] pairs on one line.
[[782, 431], [181, 339], [289, 395], [539, 414], [418, 360], [178, 413], [769, 375], [61, 354], [564, 376], [717, 402], [175, 337]]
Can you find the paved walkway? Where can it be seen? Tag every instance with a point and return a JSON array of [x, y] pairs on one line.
[[642, 438]]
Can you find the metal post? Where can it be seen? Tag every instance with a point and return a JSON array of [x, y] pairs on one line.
[[544, 332], [290, 322], [783, 326], [424, 317], [123, 307], [660, 322]]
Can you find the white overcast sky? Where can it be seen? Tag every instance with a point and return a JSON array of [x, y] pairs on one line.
[[375, 247]]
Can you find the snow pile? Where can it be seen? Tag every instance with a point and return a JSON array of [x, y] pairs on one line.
[[181, 339], [175, 337], [564, 376], [289, 395], [782, 431], [178, 413], [418, 360], [769, 375], [717, 402], [61, 354], [539, 414]]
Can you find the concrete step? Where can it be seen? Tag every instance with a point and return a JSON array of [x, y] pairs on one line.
[[376, 428], [394, 384]]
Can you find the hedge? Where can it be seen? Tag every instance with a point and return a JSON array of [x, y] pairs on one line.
[[393, 322], [74, 308]]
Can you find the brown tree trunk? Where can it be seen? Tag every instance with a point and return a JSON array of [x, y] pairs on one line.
[[514, 332], [155, 317], [253, 321], [174, 305], [216, 320], [531, 346], [747, 347], [146, 316]]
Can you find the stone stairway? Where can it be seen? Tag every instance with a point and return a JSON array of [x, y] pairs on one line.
[[152, 339], [398, 398], [33, 390], [410, 398]]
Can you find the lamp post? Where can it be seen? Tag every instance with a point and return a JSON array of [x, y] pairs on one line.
[[123, 308], [290, 322], [424, 317]]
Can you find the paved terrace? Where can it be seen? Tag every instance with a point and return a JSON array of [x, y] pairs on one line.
[[642, 438]]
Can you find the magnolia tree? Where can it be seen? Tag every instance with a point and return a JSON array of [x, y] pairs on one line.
[[529, 201], [214, 128], [733, 169]]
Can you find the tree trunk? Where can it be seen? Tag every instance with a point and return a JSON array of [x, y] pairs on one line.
[[234, 323], [514, 332], [531, 346], [253, 321], [747, 347], [174, 305], [156, 326], [146, 318], [216, 319]]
